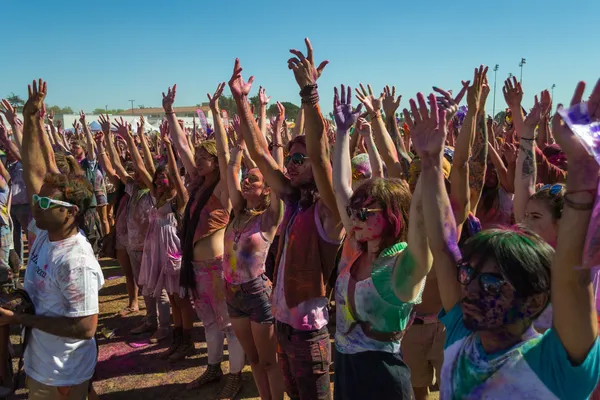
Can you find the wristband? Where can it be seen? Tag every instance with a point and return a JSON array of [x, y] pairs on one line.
[[578, 206], [309, 95]]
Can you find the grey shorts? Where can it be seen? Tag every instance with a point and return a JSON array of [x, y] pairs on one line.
[[251, 300]]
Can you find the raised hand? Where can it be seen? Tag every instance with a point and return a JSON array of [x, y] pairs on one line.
[[545, 103], [390, 102], [485, 91], [427, 126], [214, 99], [475, 92], [140, 126], [446, 102], [304, 69], [593, 104], [9, 112], [237, 125], [3, 131], [363, 127], [51, 117], [98, 138], [37, 93], [104, 123], [513, 92], [122, 128], [463, 91], [371, 103], [564, 136], [164, 131], [76, 127], [262, 96], [535, 115], [169, 99], [344, 116], [82, 118], [239, 88]]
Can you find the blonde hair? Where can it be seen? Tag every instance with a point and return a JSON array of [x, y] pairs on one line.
[[210, 146]]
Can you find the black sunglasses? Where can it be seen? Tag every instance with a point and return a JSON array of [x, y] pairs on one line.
[[297, 158], [361, 213], [489, 282]]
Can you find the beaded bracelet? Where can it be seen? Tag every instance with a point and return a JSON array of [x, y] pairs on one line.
[[309, 95]]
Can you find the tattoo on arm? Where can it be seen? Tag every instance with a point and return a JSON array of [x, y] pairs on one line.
[[528, 166], [478, 160]]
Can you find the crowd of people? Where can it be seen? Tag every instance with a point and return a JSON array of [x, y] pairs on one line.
[[439, 247]]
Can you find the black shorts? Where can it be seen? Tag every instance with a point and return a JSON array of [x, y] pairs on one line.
[[250, 300], [371, 375]]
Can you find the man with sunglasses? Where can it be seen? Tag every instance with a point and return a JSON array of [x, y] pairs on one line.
[[62, 277]]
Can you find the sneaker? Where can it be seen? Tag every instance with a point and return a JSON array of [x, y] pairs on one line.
[[231, 388], [212, 373], [161, 334], [145, 327]]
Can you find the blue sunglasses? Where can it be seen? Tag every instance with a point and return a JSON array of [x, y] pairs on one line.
[[553, 189]]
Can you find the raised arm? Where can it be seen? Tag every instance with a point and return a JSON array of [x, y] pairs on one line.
[[180, 190], [11, 117], [89, 140], [364, 129], [526, 163], [124, 130], [34, 161], [345, 117], [221, 142], [112, 151], [178, 136], [317, 142], [147, 154], [257, 143], [384, 142], [440, 225], [299, 126], [390, 104], [277, 137], [104, 160], [264, 100], [479, 148], [9, 145], [571, 289]]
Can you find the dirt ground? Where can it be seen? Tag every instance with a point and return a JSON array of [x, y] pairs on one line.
[[129, 369]]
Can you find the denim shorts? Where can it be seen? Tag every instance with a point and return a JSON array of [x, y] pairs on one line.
[[250, 300]]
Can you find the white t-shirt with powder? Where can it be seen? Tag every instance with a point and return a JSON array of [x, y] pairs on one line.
[[63, 279]]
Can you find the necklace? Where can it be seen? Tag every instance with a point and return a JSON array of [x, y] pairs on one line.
[[237, 234]]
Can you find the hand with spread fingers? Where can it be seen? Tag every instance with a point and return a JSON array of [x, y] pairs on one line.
[[122, 128], [169, 99], [533, 118], [304, 69], [37, 93], [390, 102], [262, 96], [214, 99], [343, 113], [104, 123], [446, 102], [371, 103], [477, 92], [164, 132], [513, 93], [9, 112], [82, 118], [239, 88], [428, 128], [509, 151]]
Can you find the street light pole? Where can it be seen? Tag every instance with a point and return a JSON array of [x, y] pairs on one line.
[[552, 87], [106, 108], [510, 75], [495, 78], [521, 64], [131, 106]]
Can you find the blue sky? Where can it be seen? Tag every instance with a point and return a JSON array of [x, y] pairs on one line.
[[105, 53]]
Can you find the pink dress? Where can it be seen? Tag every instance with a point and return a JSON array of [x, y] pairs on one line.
[[161, 262]]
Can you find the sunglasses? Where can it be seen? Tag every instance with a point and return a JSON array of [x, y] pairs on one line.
[[362, 213], [296, 158], [46, 202], [553, 189], [490, 283]]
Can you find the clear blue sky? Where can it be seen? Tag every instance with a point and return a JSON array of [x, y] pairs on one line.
[[105, 53]]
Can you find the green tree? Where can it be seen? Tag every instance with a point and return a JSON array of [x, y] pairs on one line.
[[291, 110], [15, 101]]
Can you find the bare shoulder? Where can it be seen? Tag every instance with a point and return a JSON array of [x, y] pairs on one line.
[[331, 225]]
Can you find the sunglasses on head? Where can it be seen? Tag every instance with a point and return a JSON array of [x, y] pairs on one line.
[[46, 202], [553, 189], [489, 282], [361, 213], [296, 158]]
